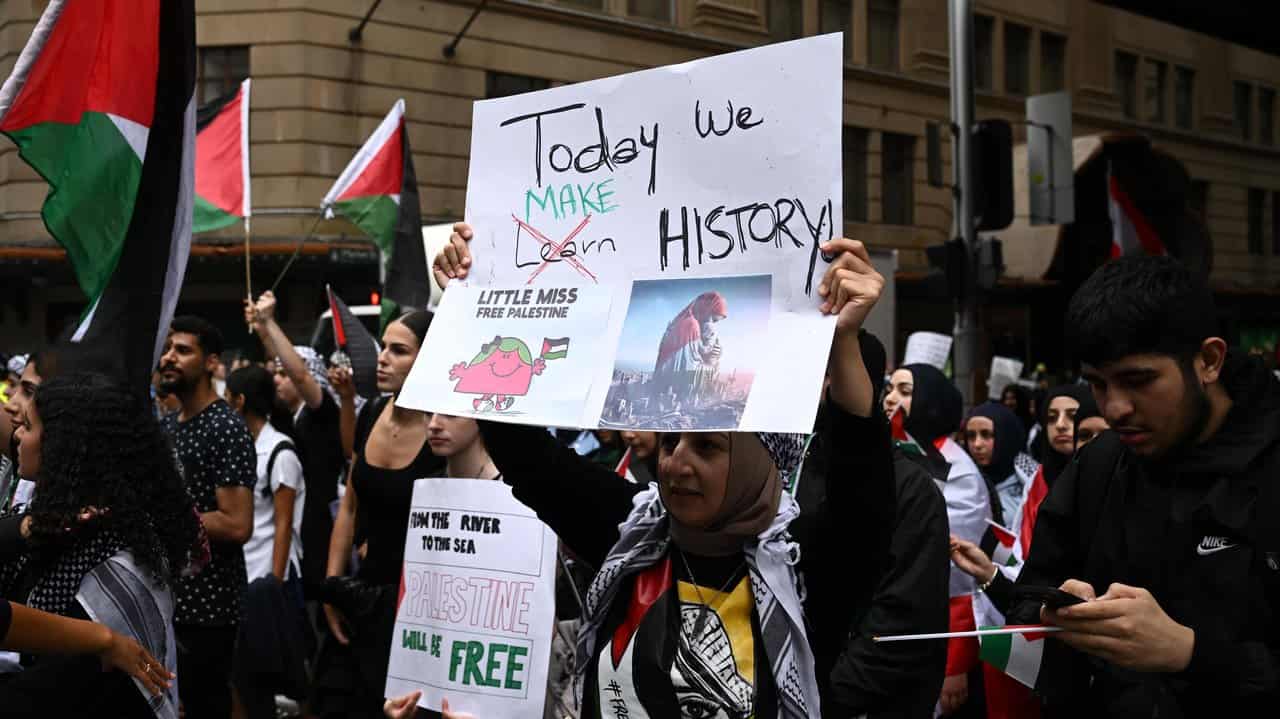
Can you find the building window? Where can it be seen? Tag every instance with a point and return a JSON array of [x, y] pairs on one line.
[[855, 174], [220, 71], [984, 33], [1257, 198], [837, 16], [1184, 96], [1053, 62], [897, 177], [501, 84], [1017, 59], [786, 19], [1126, 83], [1275, 224], [656, 10], [882, 34], [1266, 115], [1153, 78], [1243, 109], [1198, 199]]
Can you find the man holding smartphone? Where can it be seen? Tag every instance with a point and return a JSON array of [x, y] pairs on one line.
[[1169, 526]]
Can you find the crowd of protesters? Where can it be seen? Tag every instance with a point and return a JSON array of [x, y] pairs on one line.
[[235, 546]]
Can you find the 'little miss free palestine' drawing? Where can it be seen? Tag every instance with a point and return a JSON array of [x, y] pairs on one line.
[[503, 370], [504, 354]]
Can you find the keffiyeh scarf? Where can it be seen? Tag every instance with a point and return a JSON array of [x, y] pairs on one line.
[[775, 588]]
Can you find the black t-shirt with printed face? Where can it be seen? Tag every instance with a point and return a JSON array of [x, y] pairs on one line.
[[216, 451]]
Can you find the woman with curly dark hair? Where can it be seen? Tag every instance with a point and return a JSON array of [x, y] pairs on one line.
[[91, 448]]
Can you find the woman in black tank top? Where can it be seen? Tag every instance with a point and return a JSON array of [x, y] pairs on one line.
[[391, 453]]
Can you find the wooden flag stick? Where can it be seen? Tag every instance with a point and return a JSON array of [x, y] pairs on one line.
[[1040, 628], [248, 273]]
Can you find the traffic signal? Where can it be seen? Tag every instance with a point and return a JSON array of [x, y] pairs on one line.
[[992, 179]]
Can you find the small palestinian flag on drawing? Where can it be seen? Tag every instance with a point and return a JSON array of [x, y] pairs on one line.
[[100, 103], [1018, 655], [1004, 551], [222, 162], [553, 349], [378, 192], [902, 438]]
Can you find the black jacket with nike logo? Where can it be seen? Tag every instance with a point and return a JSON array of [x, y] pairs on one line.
[[1200, 530]]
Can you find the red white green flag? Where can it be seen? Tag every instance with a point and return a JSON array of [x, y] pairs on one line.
[[222, 162], [1131, 232], [1035, 495], [111, 128], [1005, 553], [378, 192], [1018, 655], [901, 437]]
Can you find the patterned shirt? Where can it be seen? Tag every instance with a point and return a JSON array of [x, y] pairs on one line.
[[215, 450]]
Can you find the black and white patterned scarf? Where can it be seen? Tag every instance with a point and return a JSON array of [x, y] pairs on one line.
[[60, 577], [775, 588]]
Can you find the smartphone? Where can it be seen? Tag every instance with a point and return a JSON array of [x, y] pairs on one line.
[[1048, 596]]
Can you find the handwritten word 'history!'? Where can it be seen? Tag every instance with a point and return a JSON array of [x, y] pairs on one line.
[[700, 235]]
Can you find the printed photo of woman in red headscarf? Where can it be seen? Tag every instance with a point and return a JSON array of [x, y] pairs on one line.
[[707, 332]]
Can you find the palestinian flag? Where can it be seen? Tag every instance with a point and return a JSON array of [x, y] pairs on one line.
[[100, 104], [1037, 490], [1006, 697], [624, 466], [1131, 233], [378, 192], [222, 162], [1018, 655], [902, 438], [1004, 553], [554, 349], [351, 338]]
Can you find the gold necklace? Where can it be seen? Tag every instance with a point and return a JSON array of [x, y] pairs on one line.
[[706, 607]]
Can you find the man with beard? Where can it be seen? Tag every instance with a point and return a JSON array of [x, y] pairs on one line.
[[1169, 525], [219, 464]]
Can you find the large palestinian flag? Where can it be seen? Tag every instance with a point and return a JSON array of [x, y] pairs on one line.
[[378, 192], [222, 162], [111, 127]]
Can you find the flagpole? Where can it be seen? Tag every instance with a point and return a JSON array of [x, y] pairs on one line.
[[297, 251], [978, 633], [248, 277]]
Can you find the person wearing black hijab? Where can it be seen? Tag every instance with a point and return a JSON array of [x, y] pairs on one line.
[[883, 680], [933, 409], [995, 437], [1057, 416], [1018, 399], [1089, 421]]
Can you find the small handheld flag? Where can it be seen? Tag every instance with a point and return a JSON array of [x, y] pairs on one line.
[[553, 349], [1005, 552]]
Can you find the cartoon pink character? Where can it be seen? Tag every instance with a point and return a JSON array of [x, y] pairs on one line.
[[503, 370]]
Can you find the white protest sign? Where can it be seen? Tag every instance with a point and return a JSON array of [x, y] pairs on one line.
[[928, 348], [1004, 372], [724, 167], [477, 601]]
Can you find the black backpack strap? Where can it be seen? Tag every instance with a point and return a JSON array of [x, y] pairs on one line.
[[271, 462]]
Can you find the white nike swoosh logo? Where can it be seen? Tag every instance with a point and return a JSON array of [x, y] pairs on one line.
[[1206, 551]]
